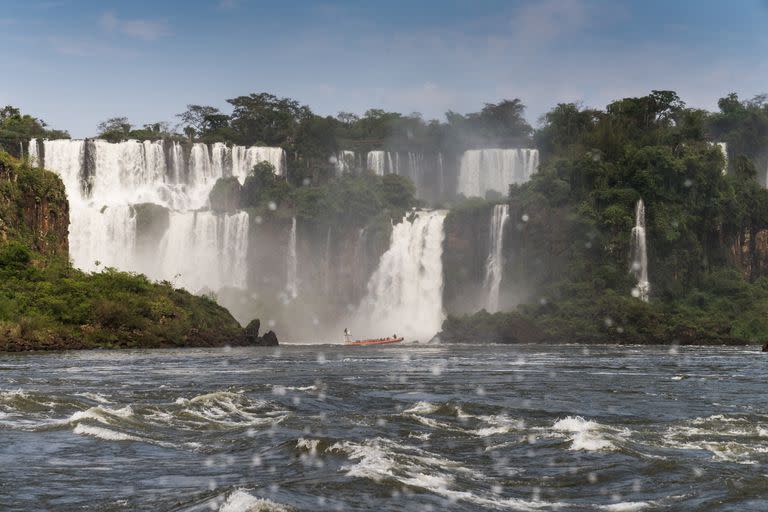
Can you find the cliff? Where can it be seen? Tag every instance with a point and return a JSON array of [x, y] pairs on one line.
[[33, 208], [45, 303]]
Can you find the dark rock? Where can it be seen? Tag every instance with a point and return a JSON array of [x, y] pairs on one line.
[[226, 195], [252, 331], [268, 340]]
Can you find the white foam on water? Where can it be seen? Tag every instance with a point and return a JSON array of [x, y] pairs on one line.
[[728, 438], [627, 506], [380, 459], [241, 501], [585, 434], [301, 388], [229, 409], [96, 397], [308, 444], [100, 414], [422, 408], [104, 433], [497, 424]]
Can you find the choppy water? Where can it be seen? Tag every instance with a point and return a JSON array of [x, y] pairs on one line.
[[390, 428]]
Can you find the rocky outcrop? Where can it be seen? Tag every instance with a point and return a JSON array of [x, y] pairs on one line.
[[465, 251], [251, 334], [749, 253], [225, 196], [33, 207]]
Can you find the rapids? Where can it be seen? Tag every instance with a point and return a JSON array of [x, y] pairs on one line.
[[405, 428]]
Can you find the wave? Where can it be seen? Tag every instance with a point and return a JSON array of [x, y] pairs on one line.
[[382, 460], [729, 438], [470, 424], [103, 433], [241, 501], [222, 408], [627, 506], [587, 435]]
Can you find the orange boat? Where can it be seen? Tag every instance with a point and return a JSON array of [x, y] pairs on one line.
[[380, 341]]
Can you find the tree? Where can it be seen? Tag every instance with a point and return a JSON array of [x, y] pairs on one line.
[[114, 125], [398, 191], [205, 120], [262, 118]]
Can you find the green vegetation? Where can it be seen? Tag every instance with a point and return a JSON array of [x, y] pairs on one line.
[[16, 129], [704, 229], [45, 303], [57, 306], [346, 201]]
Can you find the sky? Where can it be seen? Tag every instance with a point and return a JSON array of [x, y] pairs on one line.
[[75, 63]]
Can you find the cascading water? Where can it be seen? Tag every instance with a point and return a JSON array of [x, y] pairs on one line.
[[405, 293], [202, 250], [639, 254], [724, 150], [494, 266], [104, 181], [344, 162], [481, 170], [292, 279]]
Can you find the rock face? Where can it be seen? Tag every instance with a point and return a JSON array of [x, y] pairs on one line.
[[33, 207], [465, 251], [225, 195], [749, 253], [269, 340], [251, 334]]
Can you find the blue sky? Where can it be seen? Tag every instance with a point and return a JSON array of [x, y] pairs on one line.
[[77, 62]]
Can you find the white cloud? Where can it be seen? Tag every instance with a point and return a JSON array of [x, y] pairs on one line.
[[146, 30]]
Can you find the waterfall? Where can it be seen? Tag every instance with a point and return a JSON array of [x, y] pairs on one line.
[[639, 254], [481, 170], [494, 267], [724, 150], [292, 278], [203, 250], [104, 181], [33, 153], [405, 293], [344, 162], [377, 162]]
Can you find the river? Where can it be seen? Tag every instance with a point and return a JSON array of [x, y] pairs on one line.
[[399, 428]]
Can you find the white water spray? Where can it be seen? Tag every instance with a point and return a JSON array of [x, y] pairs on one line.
[[639, 254], [104, 181], [494, 267], [405, 293], [292, 279], [481, 170]]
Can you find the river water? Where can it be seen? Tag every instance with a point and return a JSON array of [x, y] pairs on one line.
[[391, 428]]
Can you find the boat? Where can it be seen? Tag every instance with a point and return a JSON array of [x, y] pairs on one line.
[[380, 341]]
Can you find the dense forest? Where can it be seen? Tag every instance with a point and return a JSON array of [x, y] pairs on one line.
[[567, 243], [706, 226]]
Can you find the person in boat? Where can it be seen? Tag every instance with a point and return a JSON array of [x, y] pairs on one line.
[[347, 335]]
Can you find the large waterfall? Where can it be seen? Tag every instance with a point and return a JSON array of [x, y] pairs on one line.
[[405, 293], [494, 266], [202, 250], [482, 170], [639, 254], [106, 181]]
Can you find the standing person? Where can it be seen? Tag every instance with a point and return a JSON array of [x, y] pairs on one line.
[[347, 335]]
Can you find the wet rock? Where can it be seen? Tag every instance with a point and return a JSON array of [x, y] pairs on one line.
[[269, 340]]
